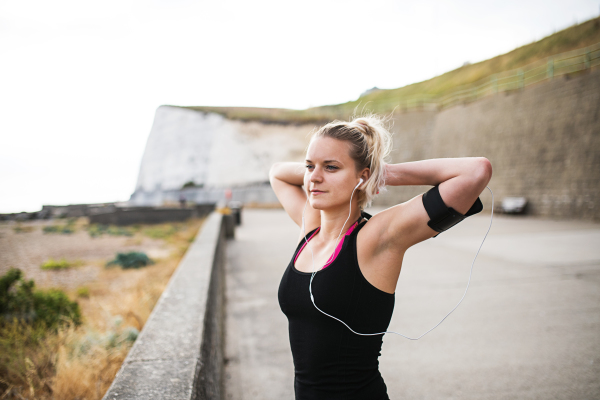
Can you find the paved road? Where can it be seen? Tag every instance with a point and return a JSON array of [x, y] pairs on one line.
[[529, 327]]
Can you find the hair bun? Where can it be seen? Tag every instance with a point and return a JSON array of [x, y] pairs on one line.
[[364, 124]]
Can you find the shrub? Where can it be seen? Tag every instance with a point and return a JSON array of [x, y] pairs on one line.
[[132, 259], [115, 339], [19, 300], [53, 306], [192, 184]]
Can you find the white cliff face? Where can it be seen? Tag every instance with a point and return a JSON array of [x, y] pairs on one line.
[[178, 149], [243, 152], [186, 145]]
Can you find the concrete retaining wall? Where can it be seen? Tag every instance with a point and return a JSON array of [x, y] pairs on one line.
[[258, 193], [150, 215], [66, 211], [179, 353], [543, 142]]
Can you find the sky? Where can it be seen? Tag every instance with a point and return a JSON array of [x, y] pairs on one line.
[[80, 80]]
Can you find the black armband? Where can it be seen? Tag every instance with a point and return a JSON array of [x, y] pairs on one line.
[[442, 217]]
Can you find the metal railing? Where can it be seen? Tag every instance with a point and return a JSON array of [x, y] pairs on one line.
[[538, 71]]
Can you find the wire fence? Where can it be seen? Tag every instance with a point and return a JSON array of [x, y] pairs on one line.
[[538, 71]]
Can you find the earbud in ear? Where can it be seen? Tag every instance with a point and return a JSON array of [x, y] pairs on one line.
[[361, 181]]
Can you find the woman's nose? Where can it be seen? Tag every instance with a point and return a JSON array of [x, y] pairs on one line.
[[315, 176]]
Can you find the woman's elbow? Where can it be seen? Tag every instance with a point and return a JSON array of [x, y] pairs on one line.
[[483, 170], [273, 171]]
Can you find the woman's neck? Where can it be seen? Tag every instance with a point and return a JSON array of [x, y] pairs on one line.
[[334, 221]]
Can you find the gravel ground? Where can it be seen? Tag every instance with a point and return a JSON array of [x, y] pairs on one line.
[[28, 250]]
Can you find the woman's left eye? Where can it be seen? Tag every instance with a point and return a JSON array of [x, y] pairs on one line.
[[327, 167]]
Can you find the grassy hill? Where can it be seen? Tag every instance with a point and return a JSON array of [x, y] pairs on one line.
[[575, 37]]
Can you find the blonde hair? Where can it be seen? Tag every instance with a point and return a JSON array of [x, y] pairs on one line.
[[370, 145]]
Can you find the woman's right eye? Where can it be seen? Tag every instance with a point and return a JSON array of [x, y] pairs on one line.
[[308, 166]]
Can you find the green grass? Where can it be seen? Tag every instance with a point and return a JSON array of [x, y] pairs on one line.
[[68, 228], [23, 229], [52, 264], [83, 291], [157, 231], [96, 230], [163, 231], [573, 38], [64, 229], [26, 358]]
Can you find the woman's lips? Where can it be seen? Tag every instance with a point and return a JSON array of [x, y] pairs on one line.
[[316, 192]]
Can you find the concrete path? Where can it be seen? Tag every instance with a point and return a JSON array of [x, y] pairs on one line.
[[529, 327]]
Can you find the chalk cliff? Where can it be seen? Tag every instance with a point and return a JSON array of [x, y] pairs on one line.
[[213, 152]]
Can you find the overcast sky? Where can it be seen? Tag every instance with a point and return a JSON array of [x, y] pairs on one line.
[[80, 80]]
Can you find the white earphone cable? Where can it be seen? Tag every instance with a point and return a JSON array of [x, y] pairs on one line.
[[383, 333]]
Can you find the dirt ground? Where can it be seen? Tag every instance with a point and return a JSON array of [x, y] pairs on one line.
[[112, 301], [28, 250]]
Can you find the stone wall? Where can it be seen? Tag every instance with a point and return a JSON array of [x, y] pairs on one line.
[[543, 142]]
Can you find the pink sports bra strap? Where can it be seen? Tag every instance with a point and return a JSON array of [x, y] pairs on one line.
[[337, 249]]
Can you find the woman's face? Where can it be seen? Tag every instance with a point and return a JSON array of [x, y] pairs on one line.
[[330, 174]]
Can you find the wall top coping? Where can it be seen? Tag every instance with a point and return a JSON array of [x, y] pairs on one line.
[[163, 362]]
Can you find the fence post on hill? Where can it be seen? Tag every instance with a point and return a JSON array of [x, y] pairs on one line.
[[521, 80], [588, 58], [550, 69]]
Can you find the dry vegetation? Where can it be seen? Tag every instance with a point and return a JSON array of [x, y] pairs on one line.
[[81, 362]]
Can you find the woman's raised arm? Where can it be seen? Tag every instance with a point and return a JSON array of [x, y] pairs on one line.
[[460, 180], [286, 180]]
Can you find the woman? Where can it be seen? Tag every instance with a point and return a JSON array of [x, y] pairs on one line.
[[357, 274]]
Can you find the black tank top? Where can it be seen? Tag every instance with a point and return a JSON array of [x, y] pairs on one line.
[[331, 362]]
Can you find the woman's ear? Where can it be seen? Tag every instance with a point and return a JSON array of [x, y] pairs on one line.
[[366, 173]]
